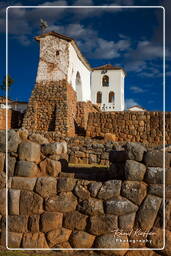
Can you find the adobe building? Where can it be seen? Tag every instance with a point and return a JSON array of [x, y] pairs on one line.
[[64, 79]]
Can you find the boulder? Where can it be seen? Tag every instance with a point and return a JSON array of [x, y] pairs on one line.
[[155, 158], [23, 183], [3, 201], [27, 169], [58, 236], [14, 240], [94, 188], [64, 202], [112, 241], [65, 184], [75, 220], [50, 167], [56, 148], [135, 191], [156, 189], [17, 223], [34, 240], [148, 212], [81, 192], [102, 224], [126, 222], [134, 170], [81, 239], [50, 221], [91, 206], [109, 189], [120, 206], [23, 133], [30, 203], [46, 186], [135, 151], [13, 202], [2, 161], [33, 223], [13, 141], [38, 138], [29, 151]]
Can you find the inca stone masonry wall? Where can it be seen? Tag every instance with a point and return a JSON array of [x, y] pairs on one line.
[[52, 209], [145, 127]]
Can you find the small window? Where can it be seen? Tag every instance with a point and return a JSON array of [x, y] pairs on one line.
[[105, 81], [111, 97], [57, 53], [99, 97]]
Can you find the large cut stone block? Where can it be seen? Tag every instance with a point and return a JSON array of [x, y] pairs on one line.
[[126, 222], [103, 224], [81, 192], [148, 212], [29, 151], [50, 221], [17, 223], [46, 186], [120, 206], [50, 167], [14, 240], [81, 239], [110, 189], [135, 151], [2, 161], [56, 148], [58, 236], [3, 201], [66, 184], [13, 202], [155, 158], [33, 223], [75, 220], [30, 203], [154, 175], [134, 170], [27, 169], [65, 202], [23, 183], [92, 206], [34, 240]]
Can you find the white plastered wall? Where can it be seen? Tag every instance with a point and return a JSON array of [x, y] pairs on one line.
[[116, 85], [76, 65]]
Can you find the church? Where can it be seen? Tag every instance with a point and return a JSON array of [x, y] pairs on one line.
[[61, 58]]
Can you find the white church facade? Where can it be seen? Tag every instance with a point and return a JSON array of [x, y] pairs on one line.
[[61, 58]]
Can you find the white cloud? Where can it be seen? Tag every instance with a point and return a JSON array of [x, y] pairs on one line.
[[136, 89], [130, 102]]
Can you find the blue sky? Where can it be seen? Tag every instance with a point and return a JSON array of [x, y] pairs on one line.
[[130, 38]]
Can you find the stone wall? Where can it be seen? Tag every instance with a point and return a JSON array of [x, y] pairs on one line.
[[14, 119], [48, 210], [49, 108], [3, 119], [145, 127]]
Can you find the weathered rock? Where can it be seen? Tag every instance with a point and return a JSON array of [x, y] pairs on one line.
[[167, 191], [148, 212], [3, 201], [102, 224], [17, 223], [30, 203], [168, 176], [118, 156], [23, 133], [81, 192], [135, 191], [126, 222], [154, 175], [46, 186], [81, 239], [2, 180], [94, 188], [110, 137], [58, 236], [13, 202], [2, 161], [112, 241], [34, 240], [156, 189], [33, 223], [50, 221], [23, 183], [110, 189], [135, 151], [27, 169], [120, 206], [50, 167], [75, 220], [29, 151], [65, 202], [38, 138], [155, 159], [91, 206], [14, 240], [56, 148], [65, 245], [11, 166], [134, 170], [2, 141], [13, 141], [65, 184]]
